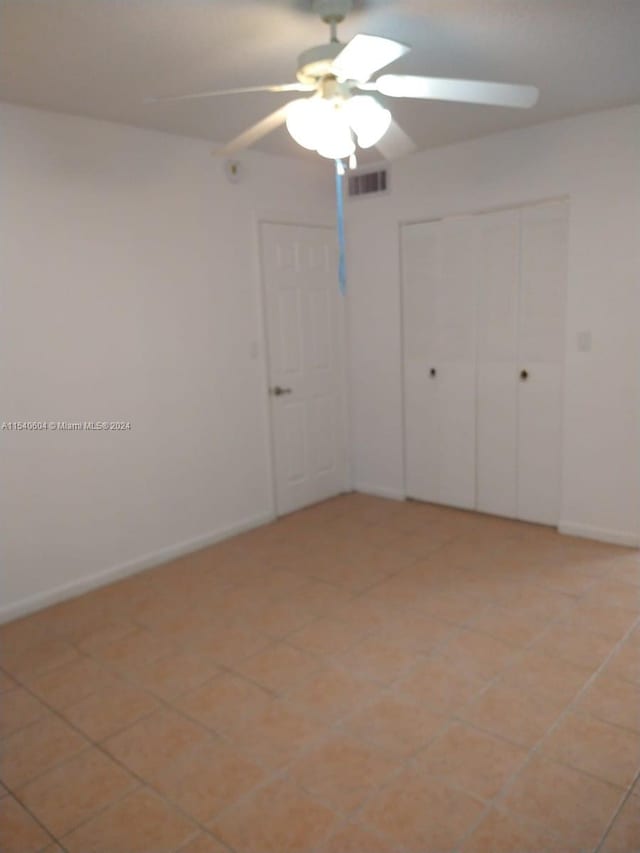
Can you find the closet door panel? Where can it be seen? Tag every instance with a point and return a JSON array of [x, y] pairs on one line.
[[421, 264], [457, 434], [543, 265], [539, 445], [422, 434], [498, 270], [454, 361], [497, 431], [543, 280]]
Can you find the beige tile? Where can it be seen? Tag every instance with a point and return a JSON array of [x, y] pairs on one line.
[[454, 607], [603, 619], [19, 831], [366, 613], [395, 724], [224, 701], [477, 654], [37, 748], [342, 771], [97, 634], [613, 700], [575, 645], [575, 806], [277, 735], [355, 839], [500, 832], [626, 663], [321, 598], [228, 645], [613, 592], [515, 629], [278, 818], [74, 791], [204, 843], [548, 676], [279, 668], [204, 780], [439, 686], [279, 618], [6, 682], [129, 652], [327, 636], [624, 835], [331, 694], [472, 760], [379, 659], [18, 709], [26, 632], [109, 710], [139, 823], [27, 664], [422, 814], [509, 712], [606, 751], [175, 674], [149, 746], [420, 633], [71, 683]]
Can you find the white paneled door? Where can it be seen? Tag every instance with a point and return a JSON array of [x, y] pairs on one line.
[[439, 311], [498, 269], [483, 307], [304, 325], [543, 276]]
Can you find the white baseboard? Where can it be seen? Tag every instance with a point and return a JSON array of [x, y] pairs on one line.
[[76, 587], [379, 491], [601, 534]]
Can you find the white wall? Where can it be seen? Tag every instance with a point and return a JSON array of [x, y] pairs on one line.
[[595, 159], [130, 291]]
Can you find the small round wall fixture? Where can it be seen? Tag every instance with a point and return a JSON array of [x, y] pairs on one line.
[[233, 171]]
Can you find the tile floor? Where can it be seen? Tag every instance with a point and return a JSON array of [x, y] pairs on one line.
[[363, 676]]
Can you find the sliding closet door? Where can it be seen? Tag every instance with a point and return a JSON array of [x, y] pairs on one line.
[[421, 270], [498, 264], [543, 275], [439, 334]]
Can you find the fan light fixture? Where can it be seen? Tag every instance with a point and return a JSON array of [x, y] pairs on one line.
[[339, 80], [329, 126]]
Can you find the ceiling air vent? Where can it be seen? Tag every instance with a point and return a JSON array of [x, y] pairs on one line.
[[366, 183]]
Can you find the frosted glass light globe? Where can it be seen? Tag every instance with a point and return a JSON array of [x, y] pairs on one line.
[[305, 119], [368, 118], [335, 140]]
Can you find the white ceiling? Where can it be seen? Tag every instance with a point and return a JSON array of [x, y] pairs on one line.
[[102, 58]]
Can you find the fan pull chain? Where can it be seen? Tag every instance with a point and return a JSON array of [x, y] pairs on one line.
[[342, 272]]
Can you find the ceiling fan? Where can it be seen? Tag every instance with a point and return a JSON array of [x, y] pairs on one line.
[[340, 112]]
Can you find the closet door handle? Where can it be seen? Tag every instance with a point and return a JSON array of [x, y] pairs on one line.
[[524, 375], [433, 372]]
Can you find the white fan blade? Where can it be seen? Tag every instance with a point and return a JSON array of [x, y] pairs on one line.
[[283, 87], [465, 91], [364, 55], [395, 143], [255, 132]]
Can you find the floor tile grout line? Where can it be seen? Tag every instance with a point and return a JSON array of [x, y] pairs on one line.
[[559, 719], [173, 707], [629, 793]]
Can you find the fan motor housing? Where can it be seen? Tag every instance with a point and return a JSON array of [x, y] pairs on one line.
[[315, 63], [332, 10]]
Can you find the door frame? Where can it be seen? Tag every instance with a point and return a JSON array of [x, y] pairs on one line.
[[455, 212], [295, 220]]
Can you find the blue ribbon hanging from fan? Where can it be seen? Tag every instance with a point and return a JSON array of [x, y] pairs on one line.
[[342, 270]]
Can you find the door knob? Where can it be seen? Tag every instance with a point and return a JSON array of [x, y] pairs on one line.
[[524, 375], [432, 372], [277, 391]]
